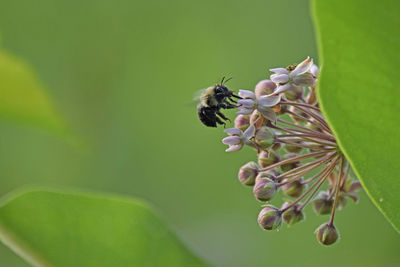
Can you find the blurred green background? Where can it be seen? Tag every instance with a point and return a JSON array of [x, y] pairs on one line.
[[123, 74]]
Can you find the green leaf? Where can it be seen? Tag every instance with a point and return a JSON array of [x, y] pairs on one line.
[[22, 97], [57, 228], [359, 91]]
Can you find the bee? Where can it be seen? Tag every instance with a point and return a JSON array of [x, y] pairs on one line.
[[212, 99]]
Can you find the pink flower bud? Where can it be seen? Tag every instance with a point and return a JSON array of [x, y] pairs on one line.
[[264, 87]]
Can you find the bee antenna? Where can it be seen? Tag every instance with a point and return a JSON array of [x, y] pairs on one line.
[[227, 80], [222, 81]]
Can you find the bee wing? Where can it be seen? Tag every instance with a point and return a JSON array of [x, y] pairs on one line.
[[197, 95], [196, 98]]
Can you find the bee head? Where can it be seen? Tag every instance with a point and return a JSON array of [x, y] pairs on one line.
[[222, 89]]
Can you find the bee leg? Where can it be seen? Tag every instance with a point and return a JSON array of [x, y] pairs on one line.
[[236, 96], [219, 121], [232, 100], [223, 116], [227, 105]]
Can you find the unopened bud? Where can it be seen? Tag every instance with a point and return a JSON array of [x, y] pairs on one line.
[[264, 137], [276, 146], [247, 173], [291, 165], [323, 203], [264, 189], [266, 158], [270, 218], [313, 126], [257, 119], [271, 175], [294, 188], [294, 93], [264, 87], [293, 148], [293, 214], [311, 98], [242, 122], [326, 234]]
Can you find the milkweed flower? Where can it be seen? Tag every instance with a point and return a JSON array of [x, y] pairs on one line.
[[297, 151], [237, 138], [290, 78], [262, 104]]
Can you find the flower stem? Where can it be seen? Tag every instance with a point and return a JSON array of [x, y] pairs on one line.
[[345, 175], [316, 134], [296, 175], [337, 189], [308, 120], [328, 170], [311, 146], [315, 116], [290, 103], [293, 159], [294, 125], [322, 137]]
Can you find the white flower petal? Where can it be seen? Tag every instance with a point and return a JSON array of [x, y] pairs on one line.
[[279, 78], [268, 100], [233, 131], [249, 133], [234, 148], [284, 88], [304, 79], [247, 94], [232, 140], [279, 70], [314, 70], [269, 114], [246, 103], [302, 67], [245, 111]]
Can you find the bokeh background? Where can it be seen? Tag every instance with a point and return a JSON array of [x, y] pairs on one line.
[[123, 74]]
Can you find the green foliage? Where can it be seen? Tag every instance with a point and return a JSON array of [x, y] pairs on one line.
[[22, 97], [359, 48], [55, 228]]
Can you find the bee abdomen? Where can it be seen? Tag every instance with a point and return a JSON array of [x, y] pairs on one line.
[[207, 116]]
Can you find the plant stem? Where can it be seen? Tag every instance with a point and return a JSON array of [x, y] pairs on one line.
[[295, 125], [308, 120], [295, 175], [321, 179], [337, 189], [345, 174], [310, 139], [300, 104], [299, 144], [315, 116], [314, 133], [293, 159], [322, 137]]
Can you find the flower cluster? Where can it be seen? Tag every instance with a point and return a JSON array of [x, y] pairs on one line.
[[297, 151]]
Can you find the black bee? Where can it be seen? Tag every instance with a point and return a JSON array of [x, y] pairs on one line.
[[212, 100]]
